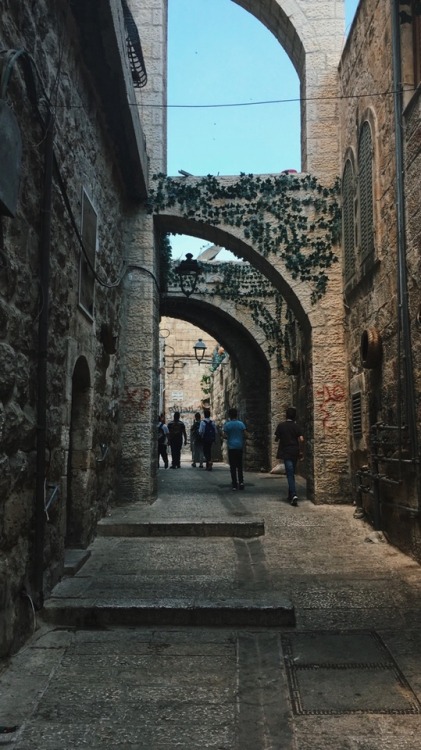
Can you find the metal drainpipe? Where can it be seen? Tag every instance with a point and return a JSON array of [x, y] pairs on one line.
[[44, 278], [403, 310]]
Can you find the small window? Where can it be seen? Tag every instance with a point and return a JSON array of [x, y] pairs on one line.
[[365, 166], [357, 422], [348, 218], [87, 256]]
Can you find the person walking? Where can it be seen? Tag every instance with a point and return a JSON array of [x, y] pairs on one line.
[[235, 432], [162, 441], [177, 432], [196, 442], [291, 440], [207, 432]]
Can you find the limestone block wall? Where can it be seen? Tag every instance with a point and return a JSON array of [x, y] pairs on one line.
[[83, 369], [181, 374], [139, 347], [371, 298]]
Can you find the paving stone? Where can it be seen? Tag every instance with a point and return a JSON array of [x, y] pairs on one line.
[[350, 665]]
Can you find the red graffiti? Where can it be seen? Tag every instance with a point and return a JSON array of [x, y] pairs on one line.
[[136, 397], [329, 394]]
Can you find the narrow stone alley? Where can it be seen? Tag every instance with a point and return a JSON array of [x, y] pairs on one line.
[[223, 620]]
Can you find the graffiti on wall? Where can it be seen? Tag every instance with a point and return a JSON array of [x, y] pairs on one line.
[[136, 398], [328, 396]]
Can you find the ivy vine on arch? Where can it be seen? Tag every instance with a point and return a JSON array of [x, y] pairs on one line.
[[294, 218]]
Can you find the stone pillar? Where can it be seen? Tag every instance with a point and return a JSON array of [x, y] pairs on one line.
[[140, 362], [139, 326], [329, 449]]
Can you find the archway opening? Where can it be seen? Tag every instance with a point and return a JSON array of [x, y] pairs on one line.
[[78, 470]]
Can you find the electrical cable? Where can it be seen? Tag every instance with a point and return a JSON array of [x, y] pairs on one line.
[[216, 105], [272, 101]]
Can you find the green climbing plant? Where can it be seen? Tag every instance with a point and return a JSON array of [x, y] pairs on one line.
[[205, 383], [295, 218], [245, 286]]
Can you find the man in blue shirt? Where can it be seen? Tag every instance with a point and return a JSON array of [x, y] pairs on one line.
[[235, 432]]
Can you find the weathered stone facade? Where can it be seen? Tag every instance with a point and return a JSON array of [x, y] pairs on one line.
[[381, 293], [60, 376]]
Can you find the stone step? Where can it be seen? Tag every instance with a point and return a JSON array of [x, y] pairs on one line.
[[74, 559], [241, 528], [265, 611]]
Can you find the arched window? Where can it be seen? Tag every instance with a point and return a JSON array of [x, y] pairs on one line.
[[365, 166], [348, 220]]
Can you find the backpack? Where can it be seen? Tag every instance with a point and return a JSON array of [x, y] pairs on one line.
[[175, 429], [195, 429], [209, 433]]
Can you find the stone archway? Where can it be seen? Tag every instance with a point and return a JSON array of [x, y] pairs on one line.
[[321, 320], [249, 358], [79, 473], [312, 36]]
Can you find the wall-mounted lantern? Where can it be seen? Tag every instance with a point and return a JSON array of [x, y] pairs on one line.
[[188, 272], [199, 350]]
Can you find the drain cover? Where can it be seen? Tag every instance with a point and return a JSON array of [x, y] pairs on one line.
[[345, 673]]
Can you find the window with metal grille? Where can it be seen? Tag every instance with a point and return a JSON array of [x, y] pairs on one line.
[[134, 49], [357, 417], [365, 165], [348, 198]]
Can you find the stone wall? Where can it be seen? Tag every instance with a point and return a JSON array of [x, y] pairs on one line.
[[82, 388], [139, 347], [373, 301], [181, 373]]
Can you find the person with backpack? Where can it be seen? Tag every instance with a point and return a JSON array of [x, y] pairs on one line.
[[235, 433], [177, 431], [196, 442], [162, 440], [207, 432]]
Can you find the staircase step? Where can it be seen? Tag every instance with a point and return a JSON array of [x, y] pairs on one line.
[[74, 559], [267, 610], [244, 529]]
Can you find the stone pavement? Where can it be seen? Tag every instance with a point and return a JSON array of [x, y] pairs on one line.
[[188, 627]]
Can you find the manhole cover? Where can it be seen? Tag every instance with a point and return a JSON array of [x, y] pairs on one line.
[[345, 673]]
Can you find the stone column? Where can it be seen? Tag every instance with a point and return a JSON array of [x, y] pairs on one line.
[[140, 320]]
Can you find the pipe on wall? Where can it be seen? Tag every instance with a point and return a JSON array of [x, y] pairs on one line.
[[403, 307], [44, 278]]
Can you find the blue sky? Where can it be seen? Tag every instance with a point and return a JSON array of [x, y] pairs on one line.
[[220, 54]]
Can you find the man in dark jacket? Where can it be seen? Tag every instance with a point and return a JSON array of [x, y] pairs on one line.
[[291, 439], [177, 432]]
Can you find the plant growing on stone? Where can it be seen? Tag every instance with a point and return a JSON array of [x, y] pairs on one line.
[[294, 218]]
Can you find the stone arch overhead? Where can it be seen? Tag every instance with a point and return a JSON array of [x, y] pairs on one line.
[[216, 318], [247, 354], [297, 294], [286, 23], [312, 35]]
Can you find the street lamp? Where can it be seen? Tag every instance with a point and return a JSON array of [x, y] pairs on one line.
[[188, 273], [199, 350]]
